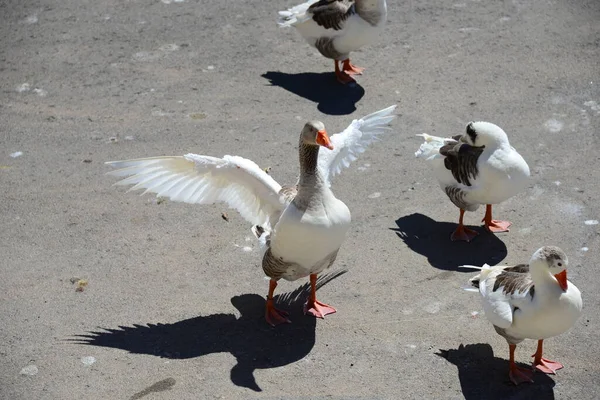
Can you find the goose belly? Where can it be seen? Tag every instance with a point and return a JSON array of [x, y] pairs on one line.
[[502, 176], [308, 239], [493, 187], [357, 33], [552, 320]]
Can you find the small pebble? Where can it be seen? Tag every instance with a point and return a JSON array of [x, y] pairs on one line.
[[591, 222], [24, 87], [88, 360], [40, 92], [29, 370], [16, 154], [210, 67], [374, 195], [584, 249]]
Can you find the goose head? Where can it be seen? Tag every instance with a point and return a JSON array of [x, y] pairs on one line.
[[554, 260], [482, 133], [314, 134]]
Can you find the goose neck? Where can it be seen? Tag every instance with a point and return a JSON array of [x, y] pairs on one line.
[[310, 176]]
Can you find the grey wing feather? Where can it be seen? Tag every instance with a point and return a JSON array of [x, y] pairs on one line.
[[461, 160], [288, 193], [515, 280], [331, 13]]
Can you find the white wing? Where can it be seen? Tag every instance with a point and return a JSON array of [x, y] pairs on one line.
[[353, 141], [295, 15], [193, 178], [498, 305]]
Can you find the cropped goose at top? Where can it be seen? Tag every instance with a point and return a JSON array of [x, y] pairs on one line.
[[300, 227], [529, 301], [478, 167], [337, 27]]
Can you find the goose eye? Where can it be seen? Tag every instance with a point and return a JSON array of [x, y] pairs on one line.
[[560, 264]]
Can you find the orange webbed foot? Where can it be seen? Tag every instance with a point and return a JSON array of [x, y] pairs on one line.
[[318, 309], [274, 316], [520, 375], [344, 78], [351, 69], [496, 226], [547, 366], [464, 234]]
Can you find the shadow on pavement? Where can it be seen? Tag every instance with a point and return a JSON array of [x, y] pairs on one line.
[[249, 338], [432, 239], [332, 97], [483, 376]]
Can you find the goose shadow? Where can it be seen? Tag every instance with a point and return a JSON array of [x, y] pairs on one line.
[[332, 97], [483, 376], [432, 239], [253, 343]]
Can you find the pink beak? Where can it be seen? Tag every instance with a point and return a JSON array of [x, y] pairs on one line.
[[562, 280]]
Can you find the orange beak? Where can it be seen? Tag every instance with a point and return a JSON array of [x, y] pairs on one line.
[[562, 280], [323, 139]]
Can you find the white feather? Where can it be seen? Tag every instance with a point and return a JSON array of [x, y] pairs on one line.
[[193, 178], [353, 141]]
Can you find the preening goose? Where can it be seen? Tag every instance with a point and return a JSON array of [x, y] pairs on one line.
[[530, 301], [337, 27], [300, 227], [479, 167]]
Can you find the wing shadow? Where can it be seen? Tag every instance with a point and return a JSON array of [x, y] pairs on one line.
[[332, 97], [432, 239], [249, 338], [483, 376]]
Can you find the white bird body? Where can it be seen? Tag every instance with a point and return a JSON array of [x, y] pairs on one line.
[[303, 232], [355, 34], [528, 303], [501, 171], [337, 27], [308, 238]]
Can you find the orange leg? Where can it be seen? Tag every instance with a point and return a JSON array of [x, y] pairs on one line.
[[494, 225], [352, 69], [517, 375], [313, 306], [273, 315], [341, 75], [543, 364], [461, 232]]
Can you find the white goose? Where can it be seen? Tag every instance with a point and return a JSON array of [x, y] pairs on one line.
[[301, 227], [337, 27], [479, 167], [534, 301]]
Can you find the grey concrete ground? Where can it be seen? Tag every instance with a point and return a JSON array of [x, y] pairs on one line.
[[174, 301]]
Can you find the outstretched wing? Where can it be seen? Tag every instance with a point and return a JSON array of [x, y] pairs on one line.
[[193, 178], [353, 141]]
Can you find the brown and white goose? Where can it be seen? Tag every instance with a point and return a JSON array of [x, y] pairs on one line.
[[529, 301], [337, 27], [301, 227], [478, 167]]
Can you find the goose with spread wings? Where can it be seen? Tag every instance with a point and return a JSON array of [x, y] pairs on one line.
[[300, 227], [529, 301], [478, 167], [337, 27]]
